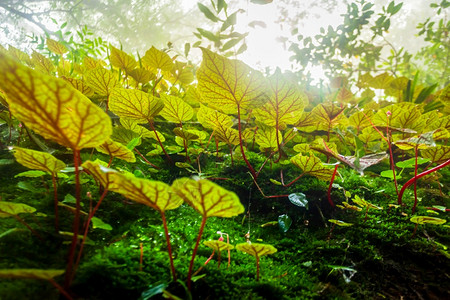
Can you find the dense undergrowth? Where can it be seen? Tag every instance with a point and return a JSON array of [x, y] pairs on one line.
[[116, 171]]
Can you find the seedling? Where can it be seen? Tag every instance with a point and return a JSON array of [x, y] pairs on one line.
[[364, 204], [256, 250], [210, 200], [420, 220], [338, 223]]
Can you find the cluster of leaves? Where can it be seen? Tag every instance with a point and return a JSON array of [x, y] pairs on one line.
[[158, 106], [360, 45]]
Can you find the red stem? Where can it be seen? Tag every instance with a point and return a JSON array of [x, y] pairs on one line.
[[415, 182], [331, 185], [191, 265], [60, 289], [76, 221], [145, 159], [169, 248], [55, 194], [257, 267], [242, 146], [412, 180], [86, 229], [159, 141]]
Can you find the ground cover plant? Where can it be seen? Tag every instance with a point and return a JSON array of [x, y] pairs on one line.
[[316, 177]]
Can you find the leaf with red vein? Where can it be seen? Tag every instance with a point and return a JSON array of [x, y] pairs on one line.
[[175, 109], [285, 105], [226, 84], [208, 198], [313, 166], [116, 149], [37, 160], [52, 108], [135, 105]]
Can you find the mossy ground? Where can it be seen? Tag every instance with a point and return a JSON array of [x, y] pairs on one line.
[[375, 258]]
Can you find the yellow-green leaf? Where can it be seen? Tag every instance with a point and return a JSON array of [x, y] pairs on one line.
[[135, 105], [313, 166], [359, 121], [266, 137], [427, 220], [285, 105], [185, 134], [30, 273], [80, 85], [327, 116], [211, 118], [142, 75], [340, 223], [116, 149], [182, 73], [155, 194], [175, 109], [302, 148], [37, 160], [255, 249], [8, 209], [142, 131], [218, 245], [230, 84], [208, 198], [381, 81], [56, 47], [124, 136], [157, 59], [102, 81], [42, 63], [52, 108], [101, 173], [122, 60], [438, 154]]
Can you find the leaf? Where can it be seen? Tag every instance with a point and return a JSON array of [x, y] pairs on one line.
[[298, 199], [340, 223], [56, 47], [267, 138], [207, 12], [37, 160], [218, 245], [313, 166], [410, 163], [102, 81], [157, 59], [116, 149], [381, 81], [124, 136], [175, 109], [302, 148], [81, 86], [438, 154], [229, 85], [135, 105], [101, 173], [359, 121], [42, 63], [208, 198], [8, 209], [255, 249], [30, 273], [52, 108], [142, 75], [211, 118], [98, 223], [155, 194], [422, 141], [284, 222], [363, 203], [142, 131], [427, 220], [285, 105], [31, 174], [181, 72], [390, 174], [122, 60]]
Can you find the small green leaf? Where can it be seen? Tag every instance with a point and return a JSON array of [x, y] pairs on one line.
[[284, 222], [207, 12], [390, 174], [31, 174], [98, 223]]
